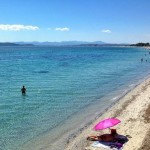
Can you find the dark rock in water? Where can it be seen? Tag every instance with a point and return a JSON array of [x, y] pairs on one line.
[[43, 72]]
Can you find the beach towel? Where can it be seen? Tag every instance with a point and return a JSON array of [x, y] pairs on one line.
[[108, 145]]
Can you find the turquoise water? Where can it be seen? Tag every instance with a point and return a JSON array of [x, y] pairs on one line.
[[60, 82]]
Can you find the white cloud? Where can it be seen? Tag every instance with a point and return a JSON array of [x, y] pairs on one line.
[[17, 27], [106, 31], [62, 29]]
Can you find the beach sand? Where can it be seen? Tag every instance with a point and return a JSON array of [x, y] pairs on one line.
[[134, 112], [147, 47]]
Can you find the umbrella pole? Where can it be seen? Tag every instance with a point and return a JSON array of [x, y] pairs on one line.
[[110, 130]]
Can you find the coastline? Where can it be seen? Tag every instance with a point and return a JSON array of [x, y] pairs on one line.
[[147, 47], [43, 141], [77, 139], [133, 110]]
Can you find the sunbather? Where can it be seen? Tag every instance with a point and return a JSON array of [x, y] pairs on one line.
[[105, 137], [113, 131]]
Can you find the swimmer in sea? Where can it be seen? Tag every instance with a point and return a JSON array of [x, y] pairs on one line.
[[23, 90]]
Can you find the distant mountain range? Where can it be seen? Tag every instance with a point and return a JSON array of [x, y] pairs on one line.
[[63, 43], [14, 44], [8, 44]]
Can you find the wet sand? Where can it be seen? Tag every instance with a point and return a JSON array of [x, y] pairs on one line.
[[134, 112]]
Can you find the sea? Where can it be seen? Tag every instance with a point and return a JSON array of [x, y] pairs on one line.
[[67, 87]]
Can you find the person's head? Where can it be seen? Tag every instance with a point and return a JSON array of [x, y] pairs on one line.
[[113, 131], [23, 86]]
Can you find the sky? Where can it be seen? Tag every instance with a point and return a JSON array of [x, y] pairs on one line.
[[111, 21]]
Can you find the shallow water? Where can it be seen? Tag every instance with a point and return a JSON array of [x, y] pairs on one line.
[[61, 82]]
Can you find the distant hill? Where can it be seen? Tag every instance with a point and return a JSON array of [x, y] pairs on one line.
[[14, 44], [8, 44], [141, 44], [63, 43], [103, 45]]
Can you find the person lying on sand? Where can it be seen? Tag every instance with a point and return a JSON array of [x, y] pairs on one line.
[[112, 137], [105, 137]]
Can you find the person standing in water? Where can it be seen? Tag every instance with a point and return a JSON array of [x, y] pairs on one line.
[[141, 59], [23, 90]]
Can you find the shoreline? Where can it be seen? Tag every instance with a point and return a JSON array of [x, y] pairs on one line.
[[136, 104], [147, 47], [42, 141], [76, 139]]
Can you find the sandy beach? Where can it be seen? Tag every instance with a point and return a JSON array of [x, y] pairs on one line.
[[133, 110], [147, 47]]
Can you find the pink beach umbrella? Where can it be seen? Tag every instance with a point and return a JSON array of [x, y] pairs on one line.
[[107, 123]]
